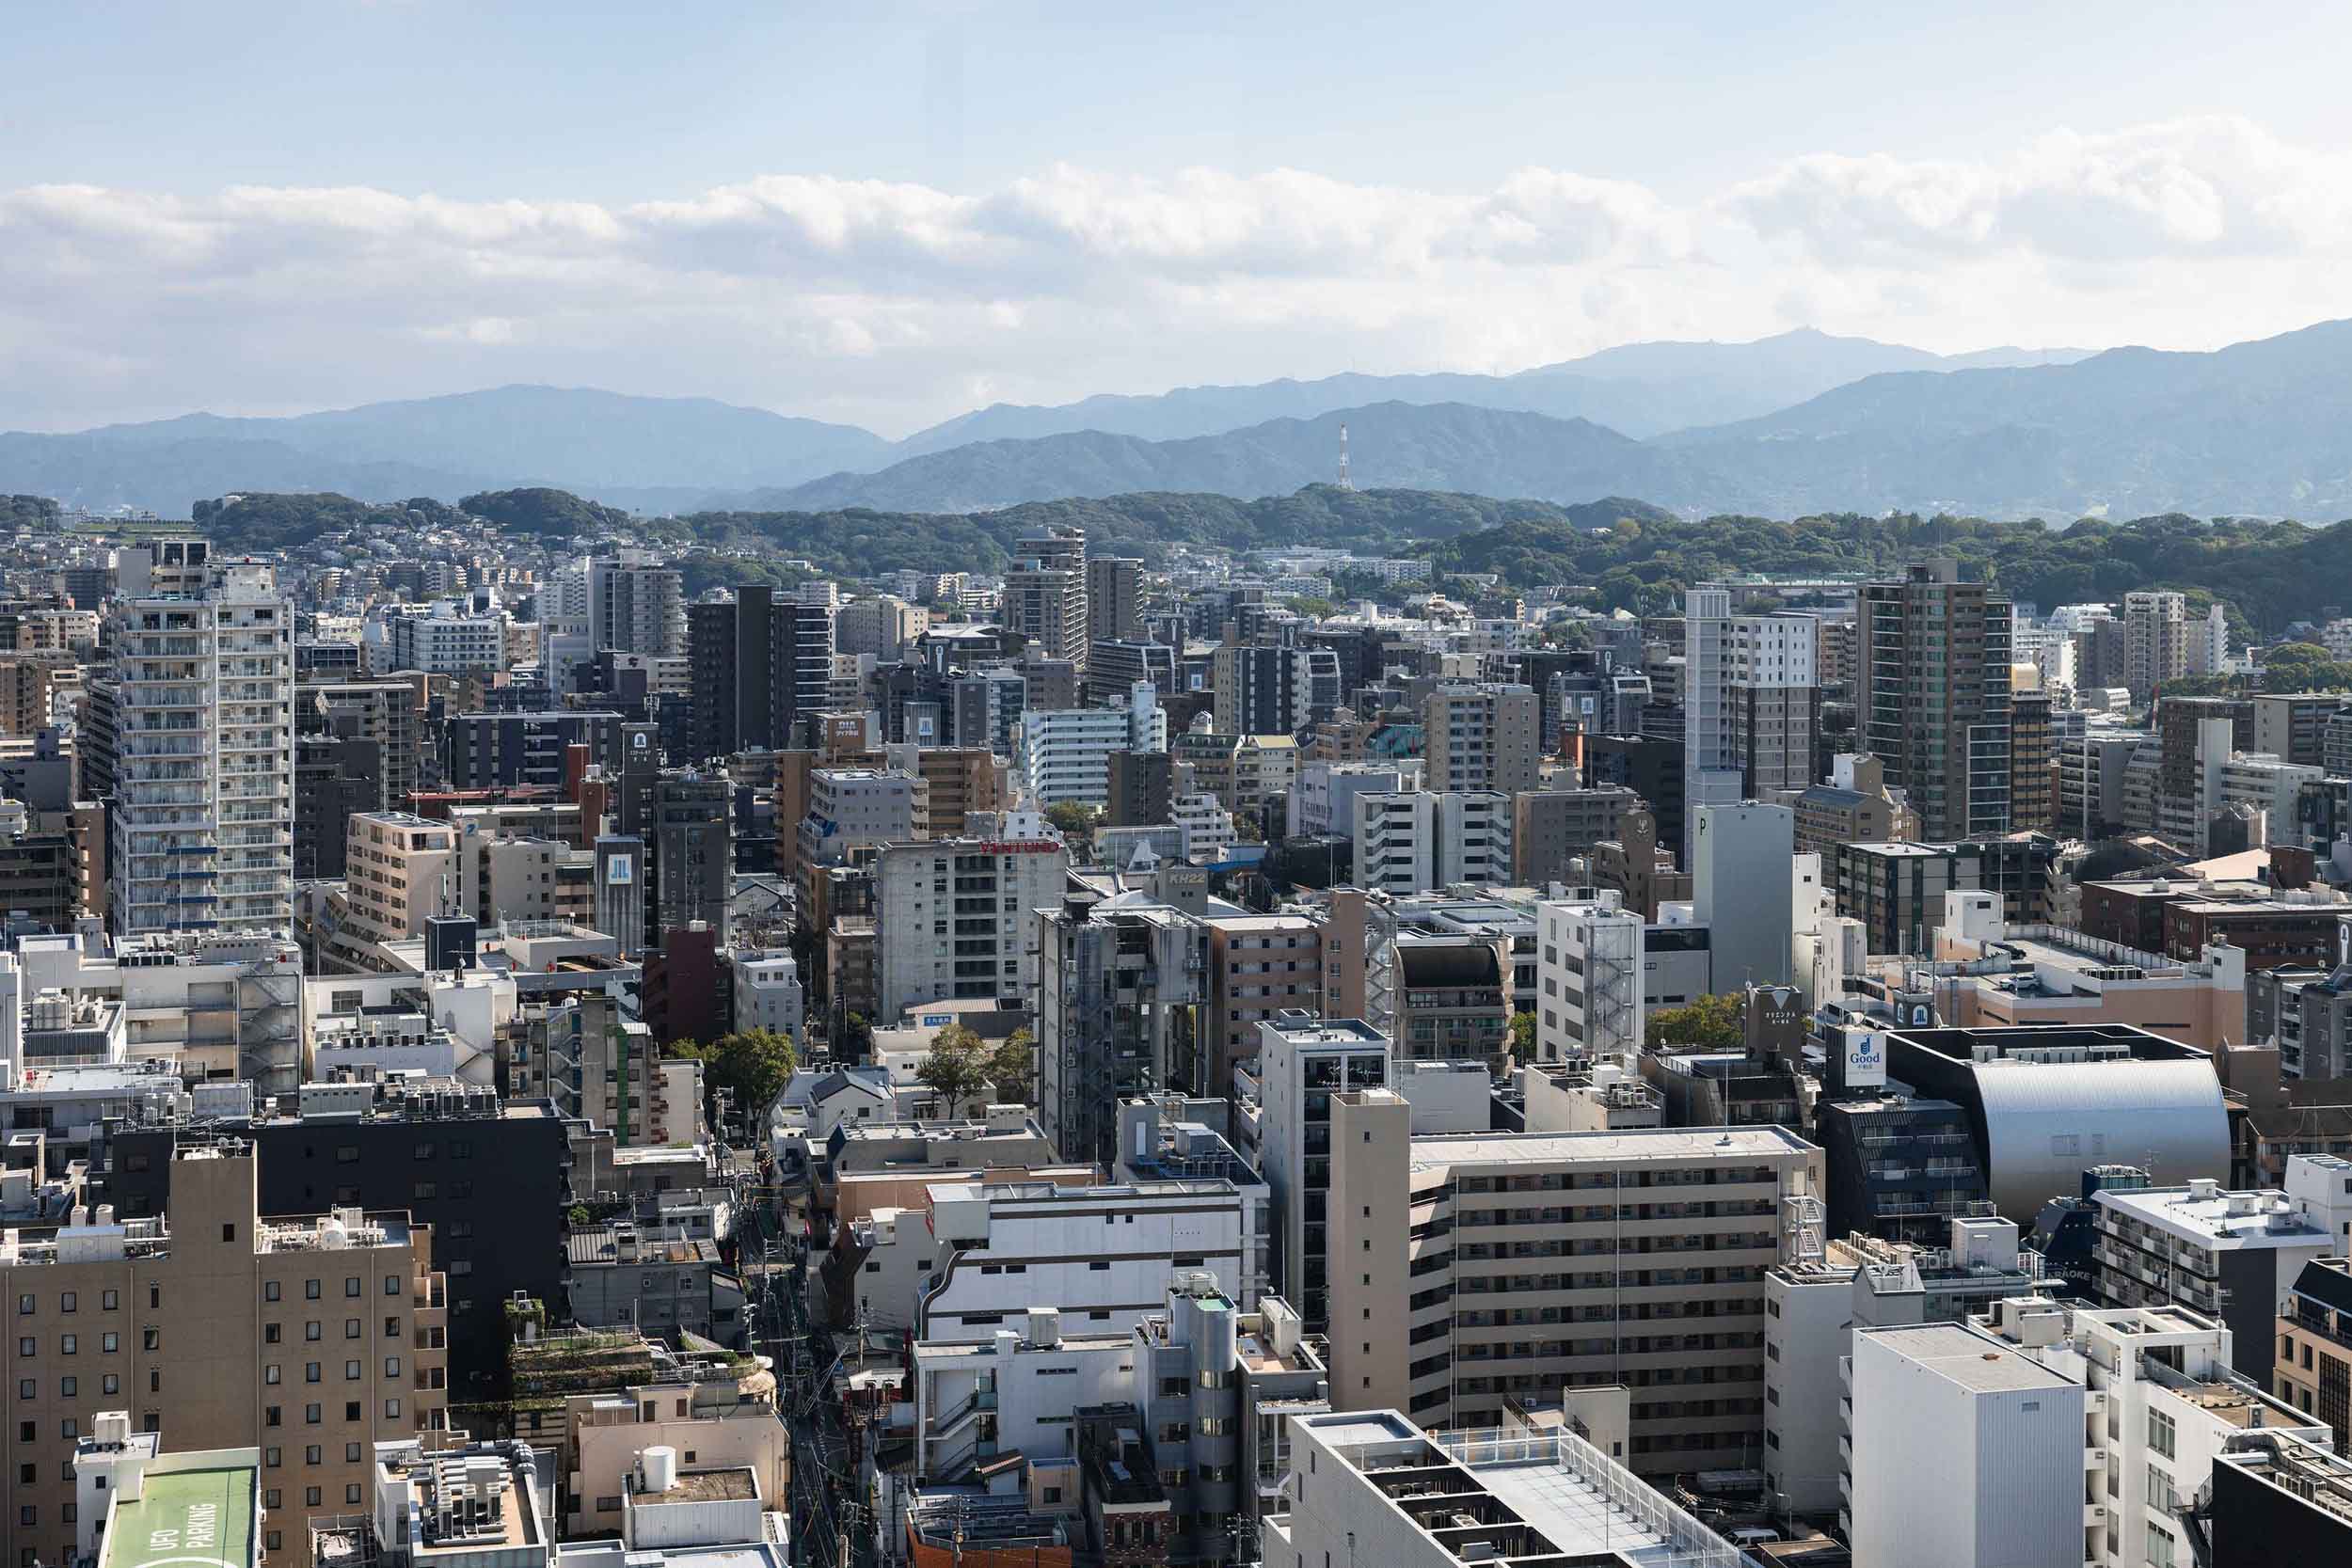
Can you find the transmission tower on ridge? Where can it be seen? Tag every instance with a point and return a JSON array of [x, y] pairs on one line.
[[1346, 484]]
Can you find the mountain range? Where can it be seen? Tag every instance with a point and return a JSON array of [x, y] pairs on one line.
[[1799, 424]]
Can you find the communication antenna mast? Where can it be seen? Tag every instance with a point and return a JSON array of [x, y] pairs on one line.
[[1345, 483]]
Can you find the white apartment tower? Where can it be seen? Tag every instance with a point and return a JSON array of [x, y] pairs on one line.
[[1749, 701], [202, 833]]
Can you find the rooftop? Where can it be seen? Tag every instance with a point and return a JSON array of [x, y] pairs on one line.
[[2212, 1214], [734, 1483], [1625, 1145], [184, 1515], [1972, 1360]]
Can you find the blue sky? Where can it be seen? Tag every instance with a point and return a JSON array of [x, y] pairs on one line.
[[888, 212]]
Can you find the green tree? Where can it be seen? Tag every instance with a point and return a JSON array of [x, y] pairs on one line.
[[1073, 819], [957, 1068], [1712, 1022], [1011, 1066], [1522, 1036], [754, 1064]]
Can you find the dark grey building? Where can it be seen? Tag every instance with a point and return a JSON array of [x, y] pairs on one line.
[[493, 1180], [494, 751], [756, 666]]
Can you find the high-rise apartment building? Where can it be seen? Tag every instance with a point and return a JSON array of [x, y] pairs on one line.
[[1481, 738], [1259, 689], [1114, 599], [1750, 698], [2155, 641], [1045, 594], [202, 703], [1934, 698], [636, 607], [756, 666]]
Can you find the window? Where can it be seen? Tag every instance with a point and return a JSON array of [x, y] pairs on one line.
[[392, 1285], [273, 1458], [391, 1411], [311, 1415], [350, 1492], [68, 1344], [310, 1497], [151, 1339], [2159, 1545], [109, 1343], [309, 1290], [229, 1230], [2160, 1434], [25, 1306], [110, 1384], [69, 1388], [351, 1453], [269, 1334], [109, 1300], [391, 1366], [351, 1284], [269, 1289], [155, 1297], [351, 1328], [270, 1372], [70, 1302], [311, 1334], [351, 1372], [2159, 1490], [313, 1455], [310, 1371]]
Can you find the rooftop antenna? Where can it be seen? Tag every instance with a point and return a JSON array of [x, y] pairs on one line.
[[1345, 483]]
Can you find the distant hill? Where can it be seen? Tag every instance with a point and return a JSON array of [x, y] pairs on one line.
[[2261, 427], [1640, 389], [1487, 451], [592, 441]]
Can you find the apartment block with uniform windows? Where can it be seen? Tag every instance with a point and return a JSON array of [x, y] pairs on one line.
[[1468, 1270], [311, 1339]]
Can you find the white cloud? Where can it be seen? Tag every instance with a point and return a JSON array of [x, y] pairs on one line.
[[896, 303]]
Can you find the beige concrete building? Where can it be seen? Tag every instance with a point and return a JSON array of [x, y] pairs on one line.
[[719, 1410], [28, 682], [399, 868], [309, 1339], [1466, 1271], [1481, 738], [1854, 807], [1259, 965]]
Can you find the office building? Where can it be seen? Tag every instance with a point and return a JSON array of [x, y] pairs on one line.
[[1466, 1272], [1373, 1484], [2280, 1498], [881, 624], [2044, 1104], [202, 706], [1897, 891], [309, 1338], [448, 637], [1935, 697], [1258, 689], [1651, 767], [1741, 888], [1114, 666], [1947, 1420]]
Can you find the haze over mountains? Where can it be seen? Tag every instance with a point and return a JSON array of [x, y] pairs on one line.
[[1793, 424]]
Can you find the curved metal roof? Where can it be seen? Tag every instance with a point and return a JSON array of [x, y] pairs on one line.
[[2045, 1122]]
